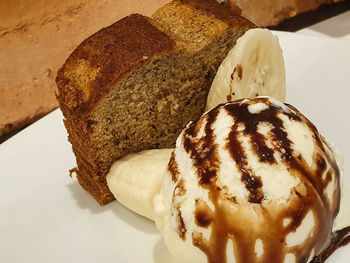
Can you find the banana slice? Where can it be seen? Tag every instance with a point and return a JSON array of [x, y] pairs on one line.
[[136, 178], [254, 67]]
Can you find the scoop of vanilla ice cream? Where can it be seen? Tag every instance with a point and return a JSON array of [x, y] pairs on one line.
[[250, 181]]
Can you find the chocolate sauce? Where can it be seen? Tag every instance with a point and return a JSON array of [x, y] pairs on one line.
[[203, 218], [180, 190], [270, 225], [203, 151], [172, 168], [182, 227], [338, 239], [238, 71]]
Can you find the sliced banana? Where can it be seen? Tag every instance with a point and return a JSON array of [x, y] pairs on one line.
[[136, 178], [254, 67]]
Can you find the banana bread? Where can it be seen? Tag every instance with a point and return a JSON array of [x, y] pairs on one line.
[[135, 84]]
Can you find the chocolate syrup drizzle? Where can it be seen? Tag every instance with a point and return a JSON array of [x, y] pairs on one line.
[[241, 228], [338, 239]]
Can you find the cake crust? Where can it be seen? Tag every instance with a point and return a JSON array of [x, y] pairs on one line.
[[105, 57]]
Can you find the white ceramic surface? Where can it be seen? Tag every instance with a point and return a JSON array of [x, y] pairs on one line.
[[45, 216]]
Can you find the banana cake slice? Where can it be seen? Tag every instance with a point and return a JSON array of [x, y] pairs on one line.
[[135, 84]]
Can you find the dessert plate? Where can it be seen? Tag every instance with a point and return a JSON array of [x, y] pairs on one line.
[[45, 216]]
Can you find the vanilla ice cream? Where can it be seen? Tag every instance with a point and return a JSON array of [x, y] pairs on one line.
[[250, 181]]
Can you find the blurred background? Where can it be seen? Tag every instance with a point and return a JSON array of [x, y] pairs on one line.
[[36, 37]]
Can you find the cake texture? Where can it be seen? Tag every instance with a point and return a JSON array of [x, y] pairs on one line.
[[271, 12], [135, 84]]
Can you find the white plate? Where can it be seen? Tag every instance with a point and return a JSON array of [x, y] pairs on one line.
[[45, 216]]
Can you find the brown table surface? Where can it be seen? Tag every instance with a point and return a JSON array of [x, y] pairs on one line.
[[310, 18]]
